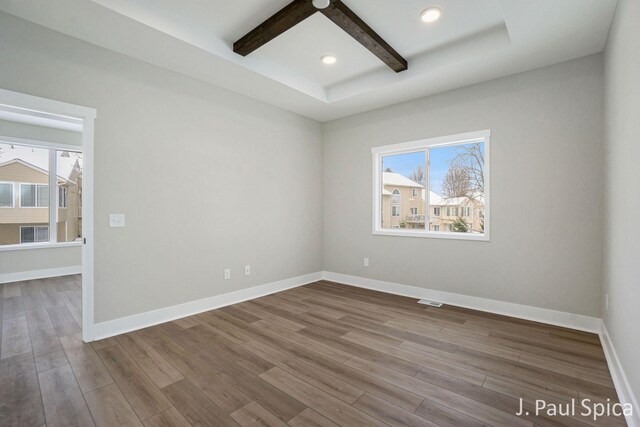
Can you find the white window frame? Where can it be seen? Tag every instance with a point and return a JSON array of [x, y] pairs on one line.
[[413, 209], [395, 208], [13, 195], [439, 210], [53, 148], [423, 145]]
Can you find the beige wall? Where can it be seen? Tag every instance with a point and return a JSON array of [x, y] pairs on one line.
[[249, 173], [19, 173], [12, 218], [407, 201], [546, 147], [622, 247]]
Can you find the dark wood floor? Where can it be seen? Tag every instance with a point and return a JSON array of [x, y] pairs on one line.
[[320, 355]]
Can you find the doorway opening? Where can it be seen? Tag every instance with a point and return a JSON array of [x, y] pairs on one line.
[[46, 197]]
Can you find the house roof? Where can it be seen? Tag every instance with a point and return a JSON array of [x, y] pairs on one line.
[[396, 180], [38, 159], [392, 178]]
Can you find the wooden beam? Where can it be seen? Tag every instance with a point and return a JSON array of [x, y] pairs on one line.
[[288, 17], [346, 19]]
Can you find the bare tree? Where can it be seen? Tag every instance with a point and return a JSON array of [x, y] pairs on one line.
[[465, 177], [456, 183], [417, 175]]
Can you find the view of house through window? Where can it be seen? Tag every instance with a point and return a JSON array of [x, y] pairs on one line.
[[69, 171], [436, 188], [26, 199]]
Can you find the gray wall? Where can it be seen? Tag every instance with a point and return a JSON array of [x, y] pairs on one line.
[[208, 179], [39, 133], [622, 245], [41, 259], [546, 183]]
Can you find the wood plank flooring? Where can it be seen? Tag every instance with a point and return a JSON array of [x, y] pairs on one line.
[[319, 355]]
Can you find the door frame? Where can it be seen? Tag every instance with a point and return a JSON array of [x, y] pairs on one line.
[[36, 106]]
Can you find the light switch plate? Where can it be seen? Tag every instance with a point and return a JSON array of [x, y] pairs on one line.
[[116, 220]]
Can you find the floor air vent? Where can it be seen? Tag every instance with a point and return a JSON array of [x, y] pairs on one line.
[[430, 303]]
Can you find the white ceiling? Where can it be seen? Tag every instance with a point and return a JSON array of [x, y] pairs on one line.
[[474, 41]]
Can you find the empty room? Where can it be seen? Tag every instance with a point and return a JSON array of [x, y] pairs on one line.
[[319, 213]]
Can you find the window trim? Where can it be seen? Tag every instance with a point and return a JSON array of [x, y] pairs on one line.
[[13, 195], [423, 145]]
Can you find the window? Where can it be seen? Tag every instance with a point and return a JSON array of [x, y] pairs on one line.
[[6, 194], [34, 234], [40, 195], [395, 198], [34, 196], [452, 171], [62, 197]]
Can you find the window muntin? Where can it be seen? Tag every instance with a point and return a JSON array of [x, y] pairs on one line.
[[455, 169], [6, 195]]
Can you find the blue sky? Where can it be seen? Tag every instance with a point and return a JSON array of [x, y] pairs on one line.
[[404, 164]]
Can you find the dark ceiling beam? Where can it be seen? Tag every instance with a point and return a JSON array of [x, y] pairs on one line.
[[288, 17], [346, 19]]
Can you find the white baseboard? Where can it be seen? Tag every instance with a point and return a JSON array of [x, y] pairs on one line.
[[536, 314], [138, 321], [40, 274], [623, 387]]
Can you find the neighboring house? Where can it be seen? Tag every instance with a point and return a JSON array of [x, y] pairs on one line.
[[403, 206], [24, 199]]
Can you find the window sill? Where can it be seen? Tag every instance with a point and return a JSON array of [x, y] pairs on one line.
[[27, 246], [433, 235]]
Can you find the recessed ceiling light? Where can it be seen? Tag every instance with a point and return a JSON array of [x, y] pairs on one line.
[[321, 4], [328, 59], [431, 15]]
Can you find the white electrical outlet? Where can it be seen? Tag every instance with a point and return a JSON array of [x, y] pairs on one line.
[[247, 270], [227, 273], [606, 302], [366, 262], [116, 220]]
